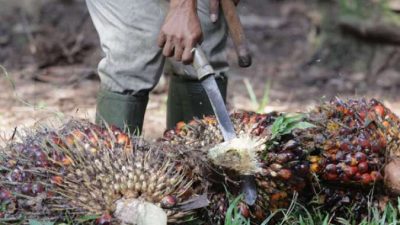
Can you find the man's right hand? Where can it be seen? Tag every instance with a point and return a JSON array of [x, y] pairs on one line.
[[181, 31]]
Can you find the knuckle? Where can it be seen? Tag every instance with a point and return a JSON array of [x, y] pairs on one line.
[[194, 37], [179, 38]]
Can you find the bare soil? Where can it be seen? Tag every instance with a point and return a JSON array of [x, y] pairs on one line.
[[51, 58]]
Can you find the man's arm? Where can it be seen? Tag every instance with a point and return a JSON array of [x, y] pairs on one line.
[[181, 31]]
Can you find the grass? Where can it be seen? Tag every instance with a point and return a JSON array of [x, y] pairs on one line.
[[259, 104], [39, 106], [368, 9], [298, 214]]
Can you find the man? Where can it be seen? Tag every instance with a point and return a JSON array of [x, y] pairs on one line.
[[136, 36]]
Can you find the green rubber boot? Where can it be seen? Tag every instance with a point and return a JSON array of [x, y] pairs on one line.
[[187, 99], [124, 111]]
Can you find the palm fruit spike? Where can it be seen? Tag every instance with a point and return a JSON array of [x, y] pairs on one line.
[[83, 169], [284, 170]]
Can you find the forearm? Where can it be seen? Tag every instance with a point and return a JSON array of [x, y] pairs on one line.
[[190, 4]]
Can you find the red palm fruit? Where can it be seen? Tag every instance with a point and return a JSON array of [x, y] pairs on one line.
[[350, 160], [37, 189], [5, 194], [278, 196], [41, 159], [303, 169], [360, 156], [344, 177], [285, 174], [168, 202], [78, 135], [284, 157], [259, 213], [66, 161], [350, 170], [16, 175], [379, 110], [93, 139], [376, 176], [363, 167], [57, 180], [366, 178], [375, 146], [357, 176], [344, 146], [26, 189], [382, 142], [386, 124], [69, 140], [123, 139], [55, 138], [364, 143], [362, 114], [340, 156], [179, 126], [331, 176], [330, 168], [105, 219], [244, 210]]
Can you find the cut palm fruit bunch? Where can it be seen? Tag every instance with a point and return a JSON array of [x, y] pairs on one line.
[[347, 143], [279, 170], [82, 169]]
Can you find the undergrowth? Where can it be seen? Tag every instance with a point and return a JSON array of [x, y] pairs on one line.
[[298, 214]]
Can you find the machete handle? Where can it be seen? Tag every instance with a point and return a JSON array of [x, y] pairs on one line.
[[201, 64], [237, 33]]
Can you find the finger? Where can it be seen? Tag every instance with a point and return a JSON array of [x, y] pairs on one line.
[[187, 56], [214, 10], [168, 50], [161, 40], [178, 50]]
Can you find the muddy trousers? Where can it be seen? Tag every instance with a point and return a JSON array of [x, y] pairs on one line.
[[132, 62]]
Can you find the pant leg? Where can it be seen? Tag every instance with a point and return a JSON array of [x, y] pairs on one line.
[[128, 31], [214, 42], [187, 98]]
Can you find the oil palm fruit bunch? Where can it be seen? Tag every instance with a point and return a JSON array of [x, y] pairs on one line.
[[278, 169], [352, 141], [82, 169], [345, 145], [350, 150]]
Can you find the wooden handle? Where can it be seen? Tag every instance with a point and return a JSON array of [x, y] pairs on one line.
[[237, 33]]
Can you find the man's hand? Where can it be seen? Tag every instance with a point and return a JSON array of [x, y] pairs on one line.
[[181, 31], [214, 9]]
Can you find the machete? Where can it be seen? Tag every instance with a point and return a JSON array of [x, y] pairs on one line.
[[205, 73]]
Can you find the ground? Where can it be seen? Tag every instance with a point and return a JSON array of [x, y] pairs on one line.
[[50, 55]]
